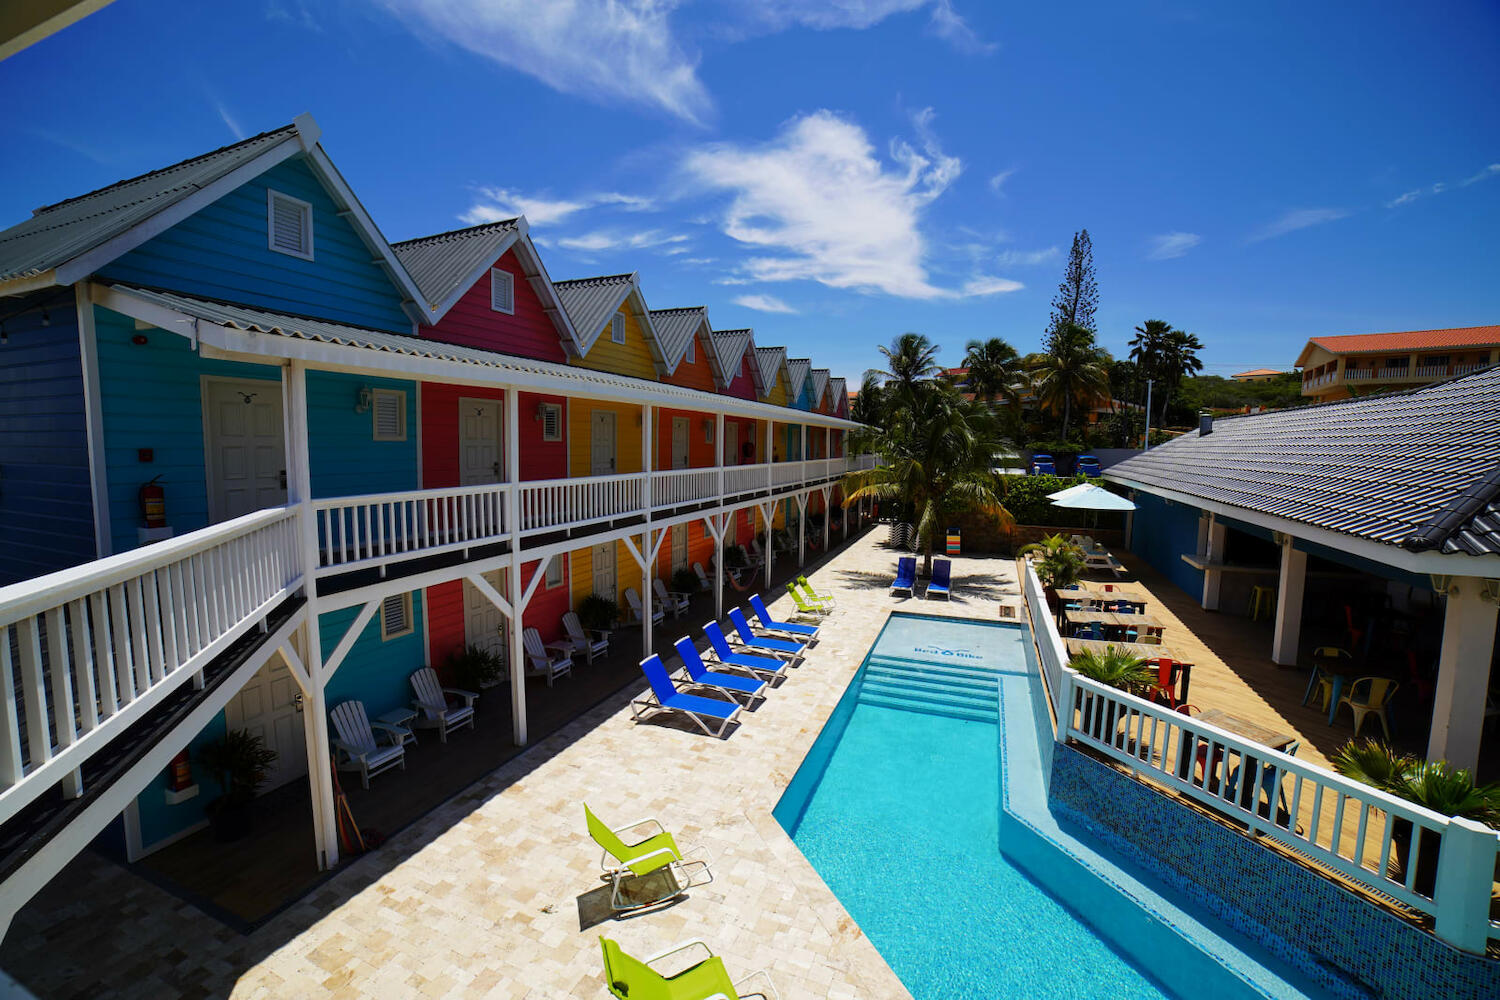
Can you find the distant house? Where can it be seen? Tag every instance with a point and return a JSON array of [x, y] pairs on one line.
[[1257, 375], [1343, 366]]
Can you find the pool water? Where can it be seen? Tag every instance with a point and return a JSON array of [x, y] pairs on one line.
[[899, 813]]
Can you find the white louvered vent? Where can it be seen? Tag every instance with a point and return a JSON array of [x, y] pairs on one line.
[[617, 328], [289, 225], [691, 356], [551, 422], [502, 291], [388, 407], [395, 616]]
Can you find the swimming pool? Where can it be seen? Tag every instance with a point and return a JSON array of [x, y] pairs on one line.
[[898, 806]]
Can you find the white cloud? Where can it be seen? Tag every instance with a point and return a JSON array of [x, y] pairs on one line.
[[617, 51], [1406, 198], [1292, 221], [1027, 258], [601, 240], [763, 303], [947, 24], [987, 285], [700, 261], [230, 122], [1168, 246], [1493, 170], [997, 182], [493, 204], [823, 206]]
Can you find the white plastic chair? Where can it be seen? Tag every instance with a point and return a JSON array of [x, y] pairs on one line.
[[703, 581], [593, 642], [633, 601], [435, 710], [543, 662], [358, 745], [672, 600]]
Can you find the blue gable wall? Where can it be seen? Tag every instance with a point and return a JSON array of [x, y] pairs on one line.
[[1161, 532], [45, 500], [221, 252], [346, 459]]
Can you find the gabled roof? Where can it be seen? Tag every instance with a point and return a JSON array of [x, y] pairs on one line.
[[820, 386], [730, 346], [590, 302], [797, 370], [56, 234], [772, 361], [446, 265], [1419, 469], [838, 392], [1412, 340]]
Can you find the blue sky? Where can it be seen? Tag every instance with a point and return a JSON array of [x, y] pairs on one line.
[[834, 173]]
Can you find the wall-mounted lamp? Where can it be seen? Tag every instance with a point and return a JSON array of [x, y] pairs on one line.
[[541, 410], [46, 318], [708, 431], [139, 340], [364, 399]]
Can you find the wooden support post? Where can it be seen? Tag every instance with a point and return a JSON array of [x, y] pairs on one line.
[[1463, 678], [512, 526]]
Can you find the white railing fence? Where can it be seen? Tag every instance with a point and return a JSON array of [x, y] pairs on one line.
[[1439, 865], [378, 528], [745, 478], [679, 486], [786, 473], [84, 652], [569, 503]]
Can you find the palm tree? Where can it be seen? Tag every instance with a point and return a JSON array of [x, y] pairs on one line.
[[868, 408], [935, 453], [910, 359], [1074, 369], [994, 371], [1179, 359]]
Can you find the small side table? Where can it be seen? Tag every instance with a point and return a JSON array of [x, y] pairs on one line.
[[401, 718]]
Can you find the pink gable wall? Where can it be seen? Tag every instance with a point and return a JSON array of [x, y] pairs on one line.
[[471, 321], [743, 384]]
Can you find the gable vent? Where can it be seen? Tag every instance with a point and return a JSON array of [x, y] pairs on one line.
[[617, 328], [551, 422], [502, 291], [389, 408], [289, 225], [395, 616]]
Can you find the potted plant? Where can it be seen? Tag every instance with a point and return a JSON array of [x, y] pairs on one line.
[[599, 612], [685, 581], [1061, 565], [475, 668], [734, 557], [1116, 668], [1432, 784], [240, 763]]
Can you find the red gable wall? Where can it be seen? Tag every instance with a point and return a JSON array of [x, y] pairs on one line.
[[471, 321]]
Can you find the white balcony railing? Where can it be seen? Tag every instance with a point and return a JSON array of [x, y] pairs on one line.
[[1358, 374], [1432, 371], [570, 503], [377, 528], [745, 478], [85, 652], [1387, 374], [786, 473], [1342, 824], [1471, 368], [683, 486], [817, 469]]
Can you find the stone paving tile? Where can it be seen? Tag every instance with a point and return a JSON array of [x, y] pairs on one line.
[[496, 893]]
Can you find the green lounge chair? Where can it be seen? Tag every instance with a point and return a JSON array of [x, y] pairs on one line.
[[631, 978], [804, 609], [650, 855], [813, 595]]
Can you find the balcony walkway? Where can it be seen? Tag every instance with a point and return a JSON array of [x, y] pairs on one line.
[[496, 892]]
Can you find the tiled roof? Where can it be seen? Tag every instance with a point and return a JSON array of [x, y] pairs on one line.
[[1259, 371], [1412, 340], [590, 302], [440, 263], [1419, 469], [771, 361], [58, 233], [676, 328]]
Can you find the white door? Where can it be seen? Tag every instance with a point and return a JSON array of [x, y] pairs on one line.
[[245, 447], [679, 442], [602, 445], [604, 571], [479, 438], [680, 545], [484, 625], [270, 706], [731, 443]]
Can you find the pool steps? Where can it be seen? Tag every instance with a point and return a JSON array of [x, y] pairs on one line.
[[936, 687]]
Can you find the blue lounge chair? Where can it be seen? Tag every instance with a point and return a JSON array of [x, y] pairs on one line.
[[772, 625], [665, 696], [761, 666], [906, 574], [942, 569], [749, 639], [730, 684]]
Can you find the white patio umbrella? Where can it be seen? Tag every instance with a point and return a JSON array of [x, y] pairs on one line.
[[1087, 496], [1070, 491]]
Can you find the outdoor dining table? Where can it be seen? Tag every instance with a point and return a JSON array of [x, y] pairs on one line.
[[1187, 755], [1114, 619], [1182, 670], [1094, 593]]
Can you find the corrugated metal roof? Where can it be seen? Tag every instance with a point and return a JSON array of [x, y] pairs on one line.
[[731, 346], [771, 360], [59, 233], [675, 329], [839, 389], [797, 370], [1377, 467], [820, 386], [442, 262], [590, 302], [299, 328]]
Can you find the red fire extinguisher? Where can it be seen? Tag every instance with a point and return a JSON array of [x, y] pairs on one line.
[[154, 504]]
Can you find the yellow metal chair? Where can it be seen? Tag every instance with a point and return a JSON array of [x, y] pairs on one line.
[[1369, 696], [1262, 598]]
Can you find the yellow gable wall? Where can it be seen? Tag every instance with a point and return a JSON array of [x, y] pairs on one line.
[[777, 395], [581, 436], [632, 358], [627, 574]]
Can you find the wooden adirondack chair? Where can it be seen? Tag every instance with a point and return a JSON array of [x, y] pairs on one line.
[[633, 601], [674, 601], [357, 744], [543, 661], [591, 643], [435, 709]]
